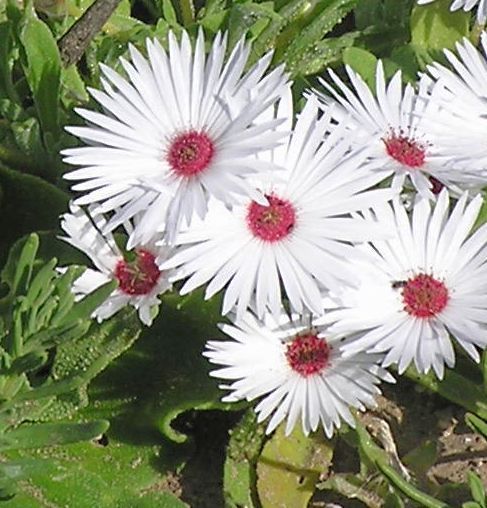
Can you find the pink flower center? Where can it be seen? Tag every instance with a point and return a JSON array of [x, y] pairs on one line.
[[307, 354], [424, 297], [137, 277], [273, 222], [405, 150], [190, 153]]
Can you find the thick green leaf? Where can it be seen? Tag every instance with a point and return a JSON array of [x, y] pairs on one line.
[[331, 13], [476, 424], [50, 434], [164, 374], [363, 62], [289, 467], [85, 358], [477, 488], [105, 475], [7, 59], [42, 67], [324, 53], [434, 26], [24, 204], [243, 450], [18, 269]]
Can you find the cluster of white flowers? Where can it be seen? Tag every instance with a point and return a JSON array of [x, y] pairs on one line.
[[329, 273]]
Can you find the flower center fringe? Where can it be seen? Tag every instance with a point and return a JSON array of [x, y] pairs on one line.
[[307, 354], [190, 153], [405, 150], [424, 297], [273, 222], [137, 277]]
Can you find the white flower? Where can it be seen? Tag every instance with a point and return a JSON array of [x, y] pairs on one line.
[[140, 281], [297, 369], [299, 238], [180, 128], [393, 121], [466, 5], [427, 283], [462, 119]]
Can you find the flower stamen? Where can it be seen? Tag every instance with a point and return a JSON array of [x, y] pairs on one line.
[[424, 296], [137, 277], [307, 354]]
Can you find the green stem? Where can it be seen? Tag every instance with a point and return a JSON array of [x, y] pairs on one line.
[[455, 388], [187, 12], [409, 490]]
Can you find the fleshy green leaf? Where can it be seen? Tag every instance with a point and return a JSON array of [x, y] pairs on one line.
[[363, 62], [477, 488], [243, 451], [289, 467], [330, 14], [42, 67], [50, 434], [434, 26], [23, 203]]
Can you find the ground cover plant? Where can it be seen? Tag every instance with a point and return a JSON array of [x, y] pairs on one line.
[[244, 253]]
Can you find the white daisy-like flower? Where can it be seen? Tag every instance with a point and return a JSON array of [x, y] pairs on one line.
[[180, 128], [299, 239], [466, 5], [140, 280], [462, 119], [420, 287], [297, 369], [393, 121]]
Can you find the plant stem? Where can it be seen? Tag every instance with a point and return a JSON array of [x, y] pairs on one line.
[[74, 42], [455, 388]]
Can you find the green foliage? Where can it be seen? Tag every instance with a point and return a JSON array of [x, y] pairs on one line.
[[42, 67], [39, 312], [63, 377], [289, 467]]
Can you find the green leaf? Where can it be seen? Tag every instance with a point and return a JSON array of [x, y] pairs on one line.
[[455, 388], [477, 488], [243, 450], [289, 467], [50, 434], [408, 489], [169, 12], [471, 504], [42, 67], [7, 59], [27, 363], [434, 26], [18, 269], [106, 475], [331, 13], [476, 424], [154, 372], [23, 203], [85, 358], [363, 62], [324, 53]]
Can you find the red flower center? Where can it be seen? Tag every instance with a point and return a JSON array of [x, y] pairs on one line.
[[307, 354], [273, 222], [137, 277], [405, 150], [424, 296], [190, 153]]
